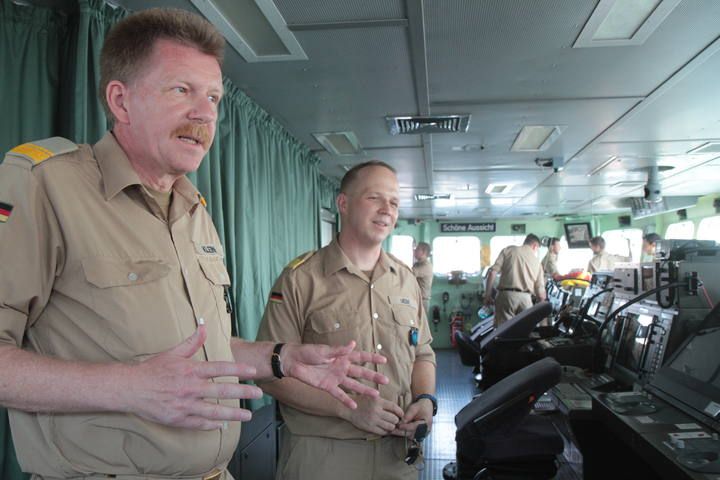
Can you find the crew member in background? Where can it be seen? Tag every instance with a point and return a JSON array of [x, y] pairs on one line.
[[648, 246], [423, 271], [549, 262], [521, 276], [353, 289], [601, 260]]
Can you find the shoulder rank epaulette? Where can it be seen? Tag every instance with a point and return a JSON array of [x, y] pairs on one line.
[[38, 152], [300, 260], [398, 261]]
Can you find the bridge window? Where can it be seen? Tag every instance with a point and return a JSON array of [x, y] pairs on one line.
[[402, 247], [616, 242], [456, 253], [709, 229], [680, 230], [572, 258], [498, 242]]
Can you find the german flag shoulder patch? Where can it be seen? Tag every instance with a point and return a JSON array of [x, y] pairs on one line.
[[276, 297], [5, 211], [300, 260], [38, 152]]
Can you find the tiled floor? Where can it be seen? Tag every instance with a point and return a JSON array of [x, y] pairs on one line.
[[455, 388]]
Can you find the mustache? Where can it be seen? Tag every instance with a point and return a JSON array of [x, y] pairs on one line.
[[199, 132]]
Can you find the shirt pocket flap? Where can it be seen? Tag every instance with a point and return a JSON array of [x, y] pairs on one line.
[[214, 270], [404, 310], [331, 321], [115, 272]]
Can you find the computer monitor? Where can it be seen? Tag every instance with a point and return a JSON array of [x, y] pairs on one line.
[[578, 235], [691, 377], [632, 346]]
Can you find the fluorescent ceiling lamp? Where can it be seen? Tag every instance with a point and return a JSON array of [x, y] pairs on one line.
[[254, 28], [616, 23], [707, 147], [497, 188], [536, 138], [597, 169], [339, 143]]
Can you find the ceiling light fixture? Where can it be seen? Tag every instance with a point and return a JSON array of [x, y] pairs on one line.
[[254, 28], [497, 188], [339, 143], [616, 23], [536, 138]]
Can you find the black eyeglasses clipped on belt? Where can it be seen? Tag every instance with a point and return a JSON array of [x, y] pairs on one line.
[[415, 447]]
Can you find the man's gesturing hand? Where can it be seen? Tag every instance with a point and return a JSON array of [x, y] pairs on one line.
[[171, 388], [329, 368]]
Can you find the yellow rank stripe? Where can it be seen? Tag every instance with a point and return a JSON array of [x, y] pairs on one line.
[[33, 151], [300, 260], [3, 218]]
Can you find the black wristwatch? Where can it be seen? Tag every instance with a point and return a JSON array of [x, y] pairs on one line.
[[429, 397], [275, 362]]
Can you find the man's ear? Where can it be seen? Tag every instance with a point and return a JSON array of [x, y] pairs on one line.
[[341, 202], [116, 95]]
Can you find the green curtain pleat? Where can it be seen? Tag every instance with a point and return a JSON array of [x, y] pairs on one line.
[[31, 42], [263, 187], [82, 114]]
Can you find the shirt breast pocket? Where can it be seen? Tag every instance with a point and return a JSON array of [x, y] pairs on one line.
[[132, 297], [214, 270], [332, 327], [405, 316]]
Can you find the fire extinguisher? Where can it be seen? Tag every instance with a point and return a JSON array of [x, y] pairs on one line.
[[457, 324]]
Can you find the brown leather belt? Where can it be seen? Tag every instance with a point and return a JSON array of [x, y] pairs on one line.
[[513, 290]]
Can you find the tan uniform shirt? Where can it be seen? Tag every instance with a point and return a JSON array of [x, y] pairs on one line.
[[424, 273], [328, 300], [99, 275], [520, 269], [603, 261], [549, 264]]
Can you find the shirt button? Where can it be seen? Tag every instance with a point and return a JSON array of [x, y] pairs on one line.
[[412, 322], [337, 325], [379, 346], [372, 285], [132, 276], [375, 316], [201, 321], [185, 271]]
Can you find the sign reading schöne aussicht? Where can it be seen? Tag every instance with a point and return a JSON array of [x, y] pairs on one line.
[[467, 227]]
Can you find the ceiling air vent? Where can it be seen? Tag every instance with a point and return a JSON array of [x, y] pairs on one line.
[[431, 196], [435, 124]]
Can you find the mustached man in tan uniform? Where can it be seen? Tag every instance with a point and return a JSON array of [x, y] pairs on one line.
[[116, 358], [521, 275], [423, 271], [353, 289]]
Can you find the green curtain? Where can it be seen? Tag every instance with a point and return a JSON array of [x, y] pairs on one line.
[[31, 42], [262, 186], [82, 114]]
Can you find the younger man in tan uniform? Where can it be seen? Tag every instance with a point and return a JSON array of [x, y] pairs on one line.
[[353, 289], [521, 275], [423, 271]]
